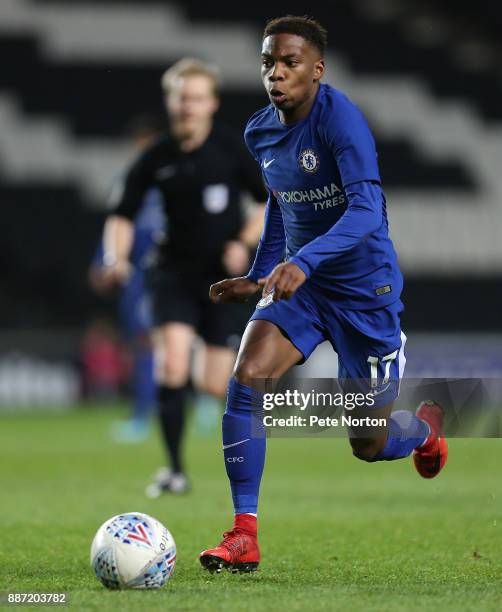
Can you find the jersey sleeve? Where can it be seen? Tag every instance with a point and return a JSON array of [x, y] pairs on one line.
[[363, 216], [137, 181], [351, 142], [272, 242]]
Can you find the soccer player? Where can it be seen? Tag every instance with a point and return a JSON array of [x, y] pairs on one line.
[[340, 281], [202, 170]]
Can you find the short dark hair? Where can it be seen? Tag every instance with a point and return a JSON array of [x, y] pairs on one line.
[[306, 27]]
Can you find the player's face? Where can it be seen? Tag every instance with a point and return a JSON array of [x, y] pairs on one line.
[[191, 102], [291, 69]]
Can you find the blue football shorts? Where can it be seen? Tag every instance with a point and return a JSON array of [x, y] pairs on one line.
[[369, 343]]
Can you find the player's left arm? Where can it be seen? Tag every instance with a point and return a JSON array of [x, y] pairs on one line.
[[363, 216]]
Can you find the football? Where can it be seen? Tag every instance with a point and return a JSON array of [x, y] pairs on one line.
[[133, 551]]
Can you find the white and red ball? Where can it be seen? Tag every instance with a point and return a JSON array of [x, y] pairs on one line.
[[133, 551]]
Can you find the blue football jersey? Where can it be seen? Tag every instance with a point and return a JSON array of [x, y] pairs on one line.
[[326, 207]]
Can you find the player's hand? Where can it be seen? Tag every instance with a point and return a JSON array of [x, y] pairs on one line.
[[235, 257], [233, 290], [117, 273], [284, 280]]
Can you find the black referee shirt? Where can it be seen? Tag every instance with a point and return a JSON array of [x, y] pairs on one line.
[[202, 193]]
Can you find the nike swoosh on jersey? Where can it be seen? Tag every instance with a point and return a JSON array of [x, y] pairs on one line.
[[225, 446], [266, 163]]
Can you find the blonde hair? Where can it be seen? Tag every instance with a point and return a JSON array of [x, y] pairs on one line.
[[189, 66]]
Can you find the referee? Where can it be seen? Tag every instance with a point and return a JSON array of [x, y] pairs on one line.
[[202, 170]]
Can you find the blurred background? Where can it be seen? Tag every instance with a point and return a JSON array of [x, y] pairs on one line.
[[75, 74]]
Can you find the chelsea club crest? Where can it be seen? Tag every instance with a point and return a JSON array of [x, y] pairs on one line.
[[309, 160]]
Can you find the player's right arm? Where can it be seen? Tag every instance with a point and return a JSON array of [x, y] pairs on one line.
[[269, 253]]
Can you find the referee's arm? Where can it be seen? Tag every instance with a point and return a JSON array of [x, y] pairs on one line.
[[119, 227], [237, 252], [117, 240], [251, 231]]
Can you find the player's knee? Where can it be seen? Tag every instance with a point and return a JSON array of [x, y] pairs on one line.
[[366, 449], [174, 380], [248, 369], [173, 373]]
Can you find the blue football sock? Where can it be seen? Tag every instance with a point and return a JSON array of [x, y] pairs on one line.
[[143, 385], [406, 432], [243, 446]]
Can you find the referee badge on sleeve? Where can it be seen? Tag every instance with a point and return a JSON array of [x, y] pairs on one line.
[[215, 198]]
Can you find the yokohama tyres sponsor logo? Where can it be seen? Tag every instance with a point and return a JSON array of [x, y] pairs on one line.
[[328, 196]]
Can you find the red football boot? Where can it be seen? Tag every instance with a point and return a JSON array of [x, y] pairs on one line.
[[238, 551], [430, 458]]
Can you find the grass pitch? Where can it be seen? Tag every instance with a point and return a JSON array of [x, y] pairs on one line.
[[336, 533]]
